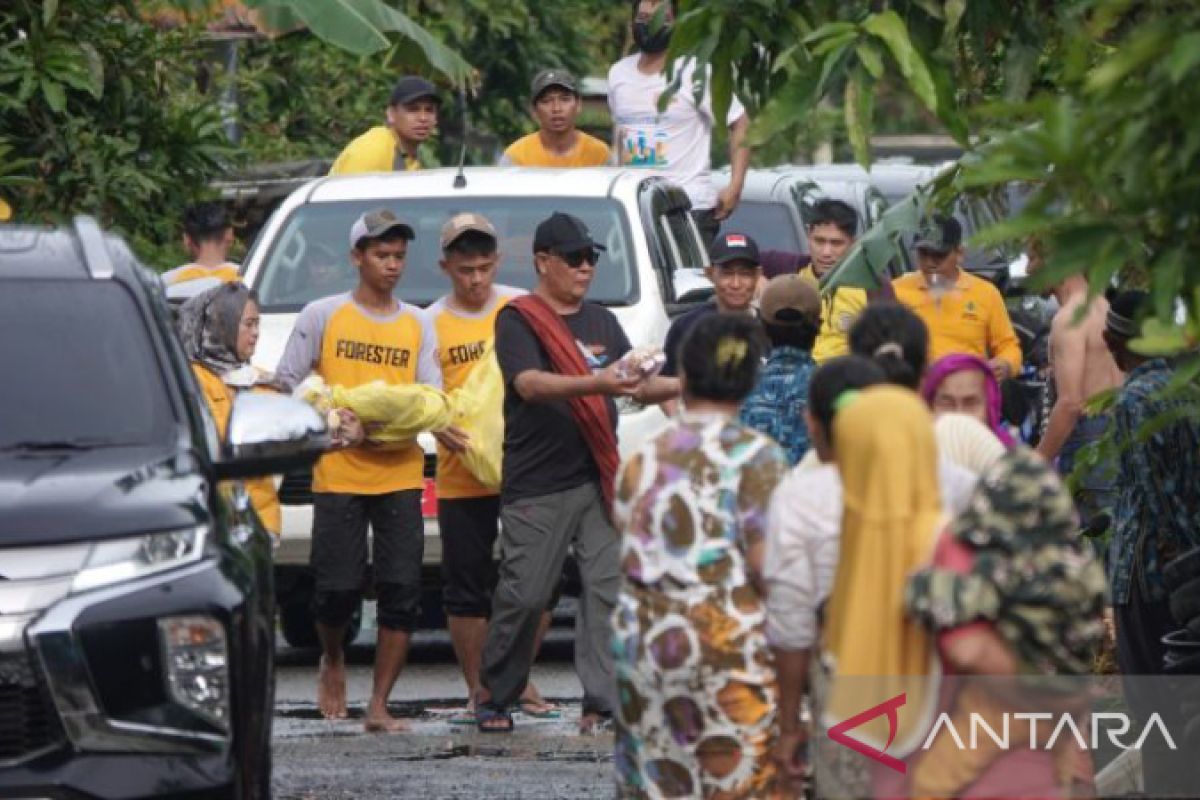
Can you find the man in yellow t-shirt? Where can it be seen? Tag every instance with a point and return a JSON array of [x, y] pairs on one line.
[[412, 117], [207, 236], [964, 313], [469, 512], [832, 227], [349, 340], [557, 142]]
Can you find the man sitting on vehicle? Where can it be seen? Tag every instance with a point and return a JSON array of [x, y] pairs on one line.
[[412, 117], [557, 142], [207, 235]]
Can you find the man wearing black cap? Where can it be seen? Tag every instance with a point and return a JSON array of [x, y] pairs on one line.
[[1156, 518], [735, 272], [964, 313], [412, 116], [352, 339], [557, 143], [561, 361]]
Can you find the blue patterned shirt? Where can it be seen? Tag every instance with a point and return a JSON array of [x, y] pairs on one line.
[[1157, 513], [776, 405]]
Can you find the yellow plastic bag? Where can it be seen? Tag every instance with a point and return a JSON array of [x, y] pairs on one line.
[[479, 412], [390, 414]]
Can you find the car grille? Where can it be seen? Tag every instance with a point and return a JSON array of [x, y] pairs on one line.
[[28, 721], [296, 488]]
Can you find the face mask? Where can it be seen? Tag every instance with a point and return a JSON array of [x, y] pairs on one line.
[[649, 42]]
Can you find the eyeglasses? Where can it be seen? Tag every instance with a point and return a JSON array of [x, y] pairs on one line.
[[576, 259]]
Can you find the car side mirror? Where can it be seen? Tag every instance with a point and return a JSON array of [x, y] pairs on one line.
[[270, 434]]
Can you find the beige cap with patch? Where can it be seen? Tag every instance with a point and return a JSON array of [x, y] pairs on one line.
[[459, 224]]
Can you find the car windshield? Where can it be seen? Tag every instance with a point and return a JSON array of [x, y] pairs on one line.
[[77, 380], [769, 223], [310, 258]]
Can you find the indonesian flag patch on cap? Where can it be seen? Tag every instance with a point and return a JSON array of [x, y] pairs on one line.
[[735, 240]]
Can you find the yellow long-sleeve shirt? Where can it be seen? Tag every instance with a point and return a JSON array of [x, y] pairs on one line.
[[969, 318], [261, 490], [839, 309]]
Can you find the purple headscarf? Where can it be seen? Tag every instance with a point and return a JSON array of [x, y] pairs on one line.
[[957, 362]]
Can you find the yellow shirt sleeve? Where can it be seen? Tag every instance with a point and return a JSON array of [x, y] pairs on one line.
[[263, 496], [374, 151], [839, 311], [1002, 339]]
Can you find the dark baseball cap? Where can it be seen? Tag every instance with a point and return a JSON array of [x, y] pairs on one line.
[[789, 300], [375, 224], [549, 78], [732, 247], [411, 88], [939, 234], [563, 233]]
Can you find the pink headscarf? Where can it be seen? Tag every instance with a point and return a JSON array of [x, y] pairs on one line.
[[957, 362]]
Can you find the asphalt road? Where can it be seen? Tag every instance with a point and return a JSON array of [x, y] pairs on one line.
[[315, 759]]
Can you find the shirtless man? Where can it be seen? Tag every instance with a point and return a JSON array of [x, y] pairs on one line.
[[1081, 367]]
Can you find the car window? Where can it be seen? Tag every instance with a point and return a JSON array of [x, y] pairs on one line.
[[769, 223], [310, 258], [85, 377]]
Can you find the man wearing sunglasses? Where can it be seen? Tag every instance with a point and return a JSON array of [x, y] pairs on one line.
[[560, 357]]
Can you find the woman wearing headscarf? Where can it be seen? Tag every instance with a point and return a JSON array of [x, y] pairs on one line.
[[870, 651], [219, 331], [965, 384], [1013, 565], [695, 681]]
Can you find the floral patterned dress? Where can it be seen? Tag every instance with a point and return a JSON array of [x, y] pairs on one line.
[[695, 679]]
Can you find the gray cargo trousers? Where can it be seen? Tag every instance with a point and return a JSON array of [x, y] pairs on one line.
[[535, 537]]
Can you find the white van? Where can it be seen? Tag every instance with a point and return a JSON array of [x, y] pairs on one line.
[[652, 263]]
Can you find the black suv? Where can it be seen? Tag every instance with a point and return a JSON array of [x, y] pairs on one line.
[[136, 607]]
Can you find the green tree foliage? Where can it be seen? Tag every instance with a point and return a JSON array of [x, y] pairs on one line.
[[302, 99], [101, 114], [1092, 102]]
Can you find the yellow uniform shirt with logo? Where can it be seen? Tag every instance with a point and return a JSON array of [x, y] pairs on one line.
[[348, 346], [262, 492], [377, 150], [226, 273], [463, 338], [969, 318], [839, 309], [528, 151]]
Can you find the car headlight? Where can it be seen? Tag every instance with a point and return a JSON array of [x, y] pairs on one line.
[[197, 659], [122, 560]]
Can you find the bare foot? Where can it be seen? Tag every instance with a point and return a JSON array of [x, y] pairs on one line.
[[533, 704], [380, 721], [331, 689]]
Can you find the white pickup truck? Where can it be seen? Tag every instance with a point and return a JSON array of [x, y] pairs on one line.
[[650, 270]]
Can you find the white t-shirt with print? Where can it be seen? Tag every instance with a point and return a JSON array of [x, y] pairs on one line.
[[679, 140]]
